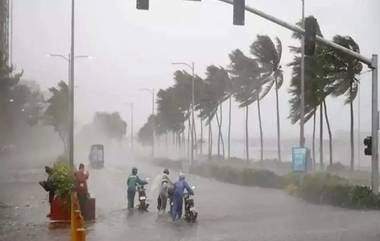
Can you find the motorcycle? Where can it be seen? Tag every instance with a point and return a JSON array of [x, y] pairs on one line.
[[191, 213], [143, 202]]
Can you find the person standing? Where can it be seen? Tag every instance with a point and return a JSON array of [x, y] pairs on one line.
[[81, 177], [132, 182], [166, 184], [179, 188]]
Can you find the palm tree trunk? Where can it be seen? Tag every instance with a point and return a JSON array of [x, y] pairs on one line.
[[219, 130], [329, 131], [352, 131], [278, 124], [261, 128], [246, 134], [188, 137], [209, 138], [229, 128], [321, 136], [313, 145], [194, 140]]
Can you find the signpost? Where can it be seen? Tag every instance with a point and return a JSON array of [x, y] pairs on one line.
[[301, 161]]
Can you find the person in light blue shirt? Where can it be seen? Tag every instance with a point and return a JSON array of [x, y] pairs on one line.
[[179, 188]]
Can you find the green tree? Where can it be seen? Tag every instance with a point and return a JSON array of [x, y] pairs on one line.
[[57, 112], [245, 75], [217, 80], [145, 134], [10, 105], [317, 87], [207, 105], [269, 56], [346, 71], [328, 72], [111, 124]]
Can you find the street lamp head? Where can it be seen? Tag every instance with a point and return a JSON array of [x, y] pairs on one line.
[[11, 100]]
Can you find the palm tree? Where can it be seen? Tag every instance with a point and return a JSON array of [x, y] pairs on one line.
[[318, 81], [346, 70], [217, 79], [246, 78], [207, 105], [269, 56]]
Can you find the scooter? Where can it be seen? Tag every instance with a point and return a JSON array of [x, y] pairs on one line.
[[191, 213], [143, 202]]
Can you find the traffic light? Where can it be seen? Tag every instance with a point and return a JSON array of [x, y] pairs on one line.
[[142, 4], [368, 146], [239, 12], [310, 35]]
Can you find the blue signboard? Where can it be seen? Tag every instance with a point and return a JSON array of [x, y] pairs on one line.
[[300, 159]]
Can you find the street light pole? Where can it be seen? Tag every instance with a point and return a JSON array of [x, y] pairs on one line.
[[131, 104], [153, 125], [192, 114], [192, 127], [71, 87], [70, 62], [302, 111]]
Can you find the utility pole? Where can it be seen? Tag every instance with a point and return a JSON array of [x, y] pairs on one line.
[[153, 125], [302, 111], [132, 126]]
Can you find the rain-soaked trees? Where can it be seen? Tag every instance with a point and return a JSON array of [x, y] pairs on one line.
[[327, 73], [57, 112]]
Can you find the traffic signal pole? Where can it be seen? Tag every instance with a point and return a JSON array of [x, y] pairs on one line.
[[375, 127]]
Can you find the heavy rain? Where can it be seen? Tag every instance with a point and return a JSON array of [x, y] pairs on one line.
[[189, 120]]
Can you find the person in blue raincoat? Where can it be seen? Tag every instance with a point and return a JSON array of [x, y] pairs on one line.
[[179, 188], [132, 182]]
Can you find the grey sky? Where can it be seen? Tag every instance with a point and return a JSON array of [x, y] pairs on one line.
[[133, 49]]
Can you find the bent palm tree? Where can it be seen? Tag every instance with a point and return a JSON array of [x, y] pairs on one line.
[[269, 56]]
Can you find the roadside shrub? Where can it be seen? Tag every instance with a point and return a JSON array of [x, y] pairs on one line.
[[314, 187], [336, 167], [63, 179], [363, 197], [318, 188]]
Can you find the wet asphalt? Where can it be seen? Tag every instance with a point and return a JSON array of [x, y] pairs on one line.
[[226, 212]]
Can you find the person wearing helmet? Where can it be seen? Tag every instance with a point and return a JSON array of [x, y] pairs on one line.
[[179, 188], [166, 184], [132, 182]]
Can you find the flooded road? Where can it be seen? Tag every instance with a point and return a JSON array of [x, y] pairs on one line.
[[226, 212]]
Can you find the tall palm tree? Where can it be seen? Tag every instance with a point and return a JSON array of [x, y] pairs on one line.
[[207, 105], [269, 56], [246, 77], [217, 78], [346, 71], [318, 81]]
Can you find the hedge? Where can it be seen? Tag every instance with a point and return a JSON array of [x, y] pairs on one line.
[[318, 188]]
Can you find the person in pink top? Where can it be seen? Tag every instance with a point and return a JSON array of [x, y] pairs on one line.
[[81, 177]]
